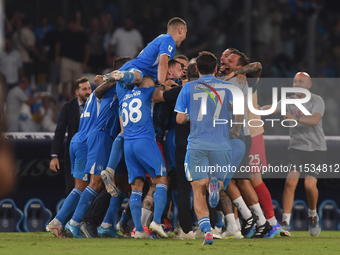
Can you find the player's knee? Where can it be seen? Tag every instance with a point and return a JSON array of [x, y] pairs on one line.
[[291, 183], [310, 184], [160, 179]]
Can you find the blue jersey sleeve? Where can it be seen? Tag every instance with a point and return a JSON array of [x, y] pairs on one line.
[[167, 47], [182, 103]]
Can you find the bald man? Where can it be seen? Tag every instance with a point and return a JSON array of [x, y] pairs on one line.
[[307, 146]]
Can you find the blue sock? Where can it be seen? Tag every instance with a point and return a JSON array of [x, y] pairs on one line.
[[117, 150], [69, 206], [219, 222], [159, 200], [125, 217], [175, 210], [112, 211], [129, 78], [205, 224], [136, 209], [86, 199]]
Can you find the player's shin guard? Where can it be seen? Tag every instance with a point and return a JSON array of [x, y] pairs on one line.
[[204, 224], [129, 78], [69, 206], [117, 150], [136, 209], [84, 204], [112, 211], [160, 199]]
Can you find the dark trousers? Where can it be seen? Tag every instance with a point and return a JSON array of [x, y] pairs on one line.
[[184, 191], [96, 213]]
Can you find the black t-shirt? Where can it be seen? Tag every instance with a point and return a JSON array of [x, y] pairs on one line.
[[182, 131], [73, 45], [50, 40]]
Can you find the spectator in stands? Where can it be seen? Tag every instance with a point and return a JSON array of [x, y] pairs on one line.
[[16, 99], [97, 54], [11, 64], [41, 31], [50, 41], [72, 51], [126, 41], [24, 41], [46, 114]]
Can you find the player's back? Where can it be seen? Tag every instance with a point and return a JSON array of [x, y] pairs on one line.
[[137, 111], [87, 118], [148, 58], [208, 107], [108, 119]]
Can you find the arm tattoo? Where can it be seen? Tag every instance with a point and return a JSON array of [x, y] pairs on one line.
[[103, 88], [254, 69]]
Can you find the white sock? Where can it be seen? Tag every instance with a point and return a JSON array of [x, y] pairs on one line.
[[256, 209], [312, 213], [74, 223], [238, 223], [145, 216], [105, 225], [56, 221], [232, 225], [286, 217], [272, 221], [242, 207]]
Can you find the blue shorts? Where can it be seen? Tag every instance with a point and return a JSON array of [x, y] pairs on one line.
[[143, 156], [170, 149], [78, 156], [99, 145], [238, 148], [129, 66], [200, 164]]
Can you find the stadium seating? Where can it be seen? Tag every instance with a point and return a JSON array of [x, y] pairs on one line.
[[59, 205], [10, 216], [329, 215], [277, 210], [36, 216], [299, 220]]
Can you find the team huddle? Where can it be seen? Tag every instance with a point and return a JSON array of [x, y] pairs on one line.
[[152, 121]]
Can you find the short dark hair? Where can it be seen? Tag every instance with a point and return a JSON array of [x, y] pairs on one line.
[[206, 62], [181, 56], [173, 62], [80, 80], [119, 62], [176, 22], [243, 60], [191, 71]]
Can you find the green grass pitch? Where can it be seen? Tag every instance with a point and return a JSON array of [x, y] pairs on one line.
[[328, 242]]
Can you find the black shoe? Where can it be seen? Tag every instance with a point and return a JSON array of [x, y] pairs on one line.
[[248, 224], [90, 231], [261, 231]]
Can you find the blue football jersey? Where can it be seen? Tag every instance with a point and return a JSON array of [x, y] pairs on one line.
[[206, 100], [137, 111], [87, 118], [108, 119], [148, 59]]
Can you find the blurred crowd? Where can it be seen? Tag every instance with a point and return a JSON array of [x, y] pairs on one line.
[[43, 56]]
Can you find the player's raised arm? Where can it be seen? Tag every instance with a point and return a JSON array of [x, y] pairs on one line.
[[162, 68]]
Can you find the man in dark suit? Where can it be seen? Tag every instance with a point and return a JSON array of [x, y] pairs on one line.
[[69, 120]]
